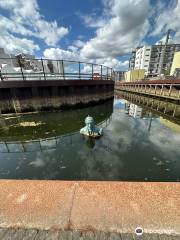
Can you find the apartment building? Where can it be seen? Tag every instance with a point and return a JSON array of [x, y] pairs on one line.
[[142, 59], [132, 60], [155, 59]]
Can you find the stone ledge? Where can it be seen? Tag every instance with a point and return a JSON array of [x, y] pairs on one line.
[[114, 207]]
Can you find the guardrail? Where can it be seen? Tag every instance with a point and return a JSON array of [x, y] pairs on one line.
[[23, 69]]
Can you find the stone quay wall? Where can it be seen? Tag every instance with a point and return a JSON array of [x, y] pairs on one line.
[[29, 96]]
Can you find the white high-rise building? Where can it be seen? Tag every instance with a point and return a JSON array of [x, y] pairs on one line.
[[142, 58], [155, 59]]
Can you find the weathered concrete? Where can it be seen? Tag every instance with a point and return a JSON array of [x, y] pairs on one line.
[[28, 96], [110, 207]]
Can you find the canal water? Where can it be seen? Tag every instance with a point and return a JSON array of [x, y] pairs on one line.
[[140, 143]]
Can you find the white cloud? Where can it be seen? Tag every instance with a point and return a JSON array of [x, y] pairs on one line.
[[74, 55], [26, 20], [94, 22], [78, 43], [59, 54], [113, 63], [127, 26], [14, 44], [168, 17]]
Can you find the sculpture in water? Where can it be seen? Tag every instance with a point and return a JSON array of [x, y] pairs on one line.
[[90, 129]]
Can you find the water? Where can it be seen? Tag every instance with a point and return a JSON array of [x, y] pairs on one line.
[[140, 143]]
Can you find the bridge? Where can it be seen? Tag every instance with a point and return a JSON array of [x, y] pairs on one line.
[[43, 84], [167, 89], [48, 69]]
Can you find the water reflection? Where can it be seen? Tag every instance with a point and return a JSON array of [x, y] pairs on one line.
[[46, 143], [139, 144], [143, 106]]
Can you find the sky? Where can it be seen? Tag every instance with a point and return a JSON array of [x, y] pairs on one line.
[[99, 31]]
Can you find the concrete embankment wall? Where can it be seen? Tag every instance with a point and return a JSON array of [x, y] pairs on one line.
[[25, 96]]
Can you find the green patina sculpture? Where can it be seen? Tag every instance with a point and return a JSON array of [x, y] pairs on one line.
[[90, 129]]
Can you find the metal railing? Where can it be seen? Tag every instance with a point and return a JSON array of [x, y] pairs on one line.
[[47, 69]]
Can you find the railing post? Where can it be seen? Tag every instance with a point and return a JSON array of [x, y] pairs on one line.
[[101, 72], [174, 112], [21, 69], [111, 73], [170, 89], [92, 70], [63, 70], [155, 89], [43, 69], [79, 71], [150, 88], [162, 90], [1, 77], [107, 73]]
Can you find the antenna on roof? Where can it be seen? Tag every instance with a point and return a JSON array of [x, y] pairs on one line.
[[163, 51], [167, 36]]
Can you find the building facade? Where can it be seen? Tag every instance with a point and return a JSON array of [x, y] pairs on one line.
[[119, 75], [142, 59], [175, 68], [134, 75], [155, 59]]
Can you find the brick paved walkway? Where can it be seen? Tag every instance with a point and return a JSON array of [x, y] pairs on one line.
[[33, 234]]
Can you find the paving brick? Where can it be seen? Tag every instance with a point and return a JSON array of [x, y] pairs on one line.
[[47, 235], [127, 236], [101, 236], [76, 235], [2, 232], [151, 236], [28, 234], [52, 235], [9, 235], [88, 235], [18, 234], [165, 237], [65, 235], [115, 236], [32, 234]]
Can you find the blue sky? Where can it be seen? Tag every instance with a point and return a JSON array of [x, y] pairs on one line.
[[101, 31]]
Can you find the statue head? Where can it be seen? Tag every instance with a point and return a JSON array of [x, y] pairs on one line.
[[89, 121]]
